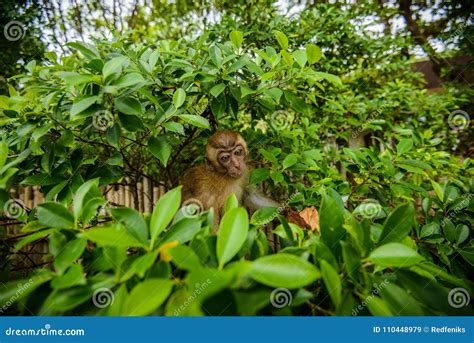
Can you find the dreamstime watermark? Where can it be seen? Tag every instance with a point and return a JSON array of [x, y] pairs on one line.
[[458, 297], [103, 297], [279, 210], [192, 208], [356, 133], [21, 289], [14, 30], [451, 214], [281, 297], [14, 208], [46, 331], [370, 208], [368, 299], [281, 120], [459, 120], [200, 287], [102, 120]]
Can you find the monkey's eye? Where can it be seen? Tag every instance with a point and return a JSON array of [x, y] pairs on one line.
[[225, 158], [238, 152]]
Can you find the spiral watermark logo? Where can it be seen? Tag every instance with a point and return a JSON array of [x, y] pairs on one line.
[[14, 208], [281, 120], [281, 297], [192, 208], [459, 120], [458, 297], [369, 208], [14, 30], [102, 120], [103, 297]]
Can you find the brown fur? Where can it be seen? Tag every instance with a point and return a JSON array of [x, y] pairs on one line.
[[212, 183]]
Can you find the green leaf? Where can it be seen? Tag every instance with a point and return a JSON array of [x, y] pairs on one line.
[[133, 222], [140, 266], [236, 38], [287, 57], [217, 89], [74, 276], [81, 104], [129, 80], [185, 258], [282, 39], [74, 79], [3, 154], [283, 270], [403, 146], [112, 235], [329, 77], [398, 224], [128, 105], [259, 175], [290, 160], [113, 66], [378, 307], [87, 50], [80, 196], [330, 222], [399, 301], [146, 297], [395, 255], [300, 57], [195, 120], [231, 202], [52, 214], [183, 231], [32, 237], [160, 148], [179, 96], [264, 215], [216, 55], [163, 213], [313, 53], [438, 190], [332, 281], [232, 234], [130, 122], [71, 252], [113, 135]]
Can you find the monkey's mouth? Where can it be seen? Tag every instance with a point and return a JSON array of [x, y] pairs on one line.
[[235, 174]]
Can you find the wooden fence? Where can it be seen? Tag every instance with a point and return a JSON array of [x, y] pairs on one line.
[[141, 197]]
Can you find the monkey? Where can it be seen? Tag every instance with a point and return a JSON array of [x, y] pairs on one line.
[[225, 172]]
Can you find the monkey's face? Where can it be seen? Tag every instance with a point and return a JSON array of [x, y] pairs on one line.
[[233, 161], [227, 153]]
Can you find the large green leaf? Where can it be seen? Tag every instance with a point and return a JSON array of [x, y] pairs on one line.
[[112, 235], [395, 255], [179, 97], [81, 104], [232, 234], [71, 252], [332, 281], [52, 214], [398, 224], [133, 222], [313, 53], [146, 297], [236, 38], [283, 270], [160, 148], [330, 222], [164, 212], [80, 196], [195, 120]]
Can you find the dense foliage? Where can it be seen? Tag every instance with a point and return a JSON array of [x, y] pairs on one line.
[[334, 118]]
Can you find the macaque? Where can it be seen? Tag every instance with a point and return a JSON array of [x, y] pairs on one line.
[[225, 172]]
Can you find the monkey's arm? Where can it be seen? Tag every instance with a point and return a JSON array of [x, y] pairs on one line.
[[253, 199]]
